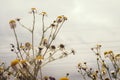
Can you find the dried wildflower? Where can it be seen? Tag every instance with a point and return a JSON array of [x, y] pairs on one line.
[[39, 58], [43, 13], [12, 24], [59, 19], [46, 78], [27, 45], [14, 62], [117, 56], [1, 69], [105, 53], [34, 10], [64, 78], [22, 47], [65, 18]]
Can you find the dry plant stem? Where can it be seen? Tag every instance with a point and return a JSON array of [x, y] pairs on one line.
[[24, 26], [16, 53], [51, 55], [17, 43], [43, 32], [82, 74], [50, 34], [41, 77], [54, 36], [53, 60], [115, 67], [59, 28], [108, 71], [33, 33], [99, 70]]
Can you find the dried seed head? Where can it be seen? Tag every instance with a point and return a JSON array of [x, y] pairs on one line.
[[17, 19], [92, 48], [107, 79], [62, 46], [12, 24], [40, 48], [34, 10], [27, 45], [53, 47], [73, 51], [110, 52], [43, 13]]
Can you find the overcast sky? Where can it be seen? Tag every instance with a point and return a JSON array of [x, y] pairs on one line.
[[90, 22]]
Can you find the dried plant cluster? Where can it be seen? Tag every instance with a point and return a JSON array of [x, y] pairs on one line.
[[108, 66], [29, 66]]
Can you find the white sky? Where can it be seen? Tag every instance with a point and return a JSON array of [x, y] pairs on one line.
[[90, 22]]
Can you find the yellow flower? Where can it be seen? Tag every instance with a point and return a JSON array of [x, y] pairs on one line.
[[1, 69], [23, 61], [64, 78], [39, 57], [12, 24], [14, 62]]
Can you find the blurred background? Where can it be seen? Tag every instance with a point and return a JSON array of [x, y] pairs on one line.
[[90, 22]]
